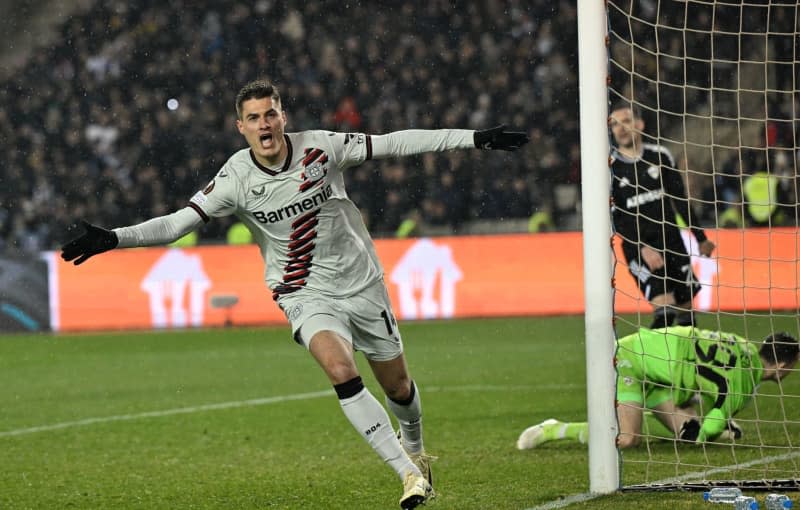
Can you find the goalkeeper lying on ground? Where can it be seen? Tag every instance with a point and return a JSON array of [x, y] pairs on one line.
[[693, 380]]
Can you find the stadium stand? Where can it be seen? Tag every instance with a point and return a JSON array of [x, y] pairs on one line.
[[85, 131]]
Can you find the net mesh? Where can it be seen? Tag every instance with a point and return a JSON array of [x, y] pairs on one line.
[[716, 83]]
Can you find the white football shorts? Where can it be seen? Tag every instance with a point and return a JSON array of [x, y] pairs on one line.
[[366, 320]]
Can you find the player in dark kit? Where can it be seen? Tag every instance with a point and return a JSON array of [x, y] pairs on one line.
[[648, 191]]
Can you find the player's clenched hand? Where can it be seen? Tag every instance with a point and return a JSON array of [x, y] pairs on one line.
[[706, 248], [497, 138], [690, 430], [95, 240], [652, 258], [732, 431]]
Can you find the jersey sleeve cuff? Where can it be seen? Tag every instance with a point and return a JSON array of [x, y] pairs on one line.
[[699, 234], [199, 211]]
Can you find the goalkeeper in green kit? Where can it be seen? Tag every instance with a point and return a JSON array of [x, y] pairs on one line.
[[693, 380]]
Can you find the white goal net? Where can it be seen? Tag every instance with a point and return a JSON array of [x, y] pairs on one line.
[[717, 84]]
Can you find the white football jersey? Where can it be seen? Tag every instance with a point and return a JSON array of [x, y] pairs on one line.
[[310, 234]]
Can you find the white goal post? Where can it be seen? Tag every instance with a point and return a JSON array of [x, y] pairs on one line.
[[717, 83], [597, 264]]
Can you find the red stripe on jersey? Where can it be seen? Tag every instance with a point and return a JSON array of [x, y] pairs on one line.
[[310, 157], [308, 184], [303, 240], [301, 251], [283, 289], [304, 218], [300, 232], [297, 275], [298, 263]]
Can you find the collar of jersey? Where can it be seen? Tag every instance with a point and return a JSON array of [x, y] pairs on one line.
[[625, 159], [286, 164]]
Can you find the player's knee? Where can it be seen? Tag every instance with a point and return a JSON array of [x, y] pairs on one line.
[[340, 371], [628, 441], [349, 389], [399, 390]]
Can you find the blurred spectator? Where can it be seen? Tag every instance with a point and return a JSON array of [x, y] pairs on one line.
[[89, 116], [347, 117], [728, 182]]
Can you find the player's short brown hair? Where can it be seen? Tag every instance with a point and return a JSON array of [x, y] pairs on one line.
[[779, 348], [256, 89], [624, 104]]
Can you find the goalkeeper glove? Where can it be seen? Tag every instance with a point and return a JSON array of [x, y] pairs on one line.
[[497, 138], [95, 240], [732, 431], [690, 430]]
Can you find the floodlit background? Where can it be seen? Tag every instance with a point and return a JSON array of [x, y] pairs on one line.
[[116, 111]]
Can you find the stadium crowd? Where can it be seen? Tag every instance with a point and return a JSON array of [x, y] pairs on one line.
[[681, 61], [86, 131]]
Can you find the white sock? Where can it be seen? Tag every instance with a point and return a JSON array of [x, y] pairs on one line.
[[410, 418], [371, 421]]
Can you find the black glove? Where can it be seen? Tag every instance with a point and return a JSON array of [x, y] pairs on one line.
[[690, 430], [732, 430], [95, 240], [497, 138]]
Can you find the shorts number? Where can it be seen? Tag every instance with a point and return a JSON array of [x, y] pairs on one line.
[[388, 319]]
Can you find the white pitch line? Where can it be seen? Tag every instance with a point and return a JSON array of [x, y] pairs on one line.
[[699, 475], [235, 404], [561, 503], [167, 412]]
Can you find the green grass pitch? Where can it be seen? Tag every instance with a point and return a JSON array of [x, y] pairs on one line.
[[244, 419]]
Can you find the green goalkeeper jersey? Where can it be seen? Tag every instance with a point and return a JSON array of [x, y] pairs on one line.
[[654, 366]]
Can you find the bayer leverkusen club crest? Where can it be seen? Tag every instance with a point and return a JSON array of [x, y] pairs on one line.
[[315, 170]]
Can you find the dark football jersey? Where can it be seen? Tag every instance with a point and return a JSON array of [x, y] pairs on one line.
[[647, 193]]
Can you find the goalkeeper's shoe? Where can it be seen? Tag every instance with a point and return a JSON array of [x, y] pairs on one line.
[[423, 462], [537, 434], [416, 491]]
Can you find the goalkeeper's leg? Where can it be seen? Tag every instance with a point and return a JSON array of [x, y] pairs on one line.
[[629, 415], [552, 430]]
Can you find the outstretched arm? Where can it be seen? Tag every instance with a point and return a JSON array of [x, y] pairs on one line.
[[417, 141], [157, 231], [160, 230]]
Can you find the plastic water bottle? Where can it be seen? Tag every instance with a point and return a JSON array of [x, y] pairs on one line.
[[745, 503], [777, 502], [722, 495]]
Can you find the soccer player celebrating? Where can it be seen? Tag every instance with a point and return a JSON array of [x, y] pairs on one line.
[[664, 370], [321, 265], [648, 192]]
